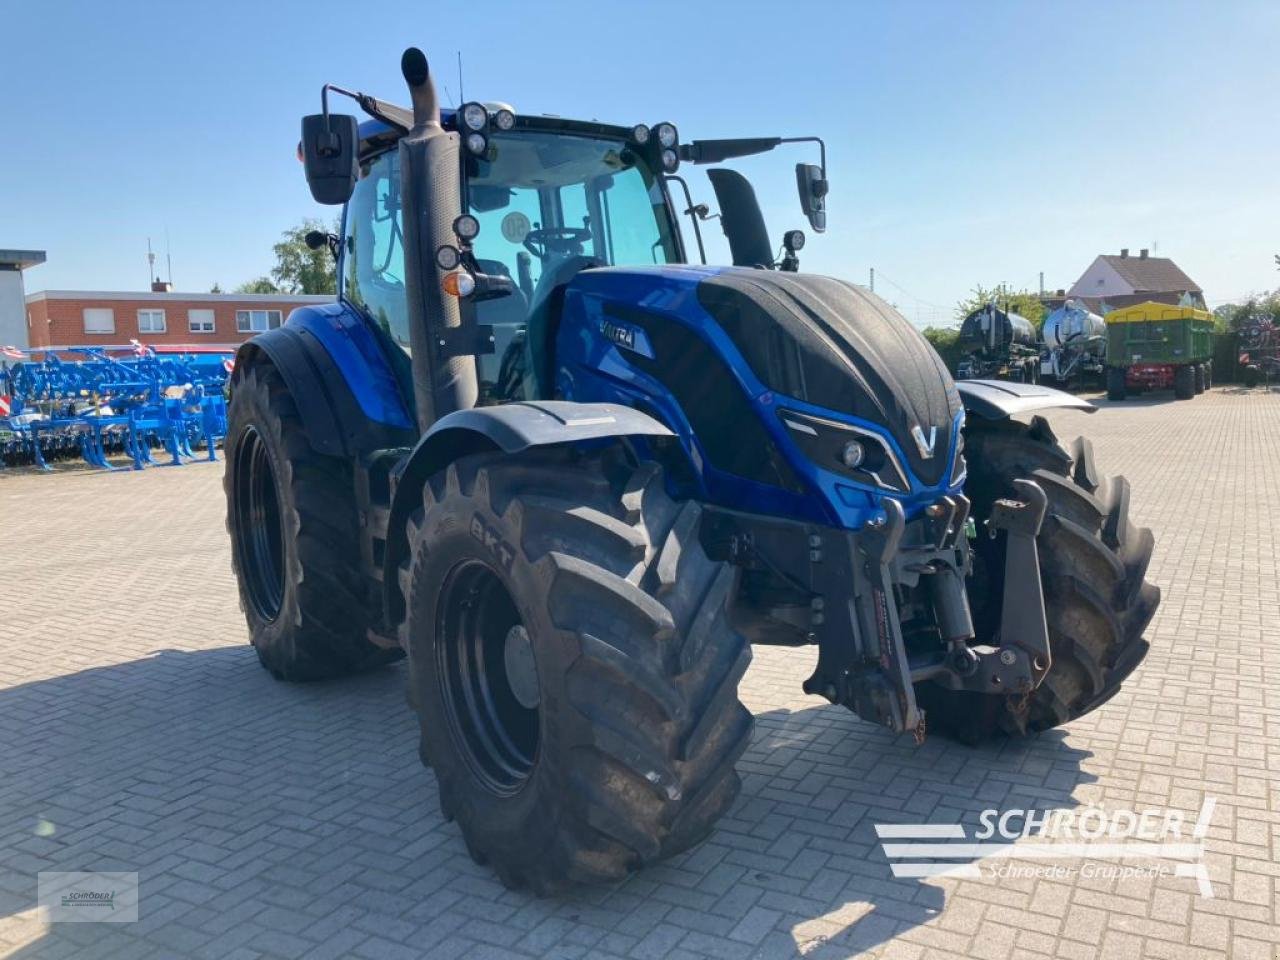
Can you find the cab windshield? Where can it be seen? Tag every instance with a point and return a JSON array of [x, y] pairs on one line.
[[549, 204], [543, 198]]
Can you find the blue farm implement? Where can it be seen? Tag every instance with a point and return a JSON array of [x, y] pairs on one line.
[[98, 402]]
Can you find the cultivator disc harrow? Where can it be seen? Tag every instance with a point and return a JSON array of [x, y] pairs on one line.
[[97, 403]]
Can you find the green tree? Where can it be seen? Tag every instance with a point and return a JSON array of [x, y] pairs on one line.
[[299, 269], [1022, 302], [260, 285]]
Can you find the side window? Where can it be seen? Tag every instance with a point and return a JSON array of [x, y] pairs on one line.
[[373, 248]]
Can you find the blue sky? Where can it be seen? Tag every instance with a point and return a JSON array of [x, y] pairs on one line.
[[968, 142]]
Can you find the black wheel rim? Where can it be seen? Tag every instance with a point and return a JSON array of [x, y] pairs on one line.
[[495, 733], [259, 534]]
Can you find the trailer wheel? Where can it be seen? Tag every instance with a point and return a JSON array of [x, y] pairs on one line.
[[572, 664], [1093, 564], [1184, 382], [1252, 375], [1115, 384], [1199, 378], [291, 515]]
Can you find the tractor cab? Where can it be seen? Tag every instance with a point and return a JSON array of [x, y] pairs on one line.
[[539, 200]]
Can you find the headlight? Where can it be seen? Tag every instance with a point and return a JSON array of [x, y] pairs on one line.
[[476, 143], [475, 116], [504, 119], [846, 449], [669, 160], [639, 134], [852, 454], [666, 135]]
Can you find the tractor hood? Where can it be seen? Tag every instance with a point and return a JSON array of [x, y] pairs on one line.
[[839, 346]]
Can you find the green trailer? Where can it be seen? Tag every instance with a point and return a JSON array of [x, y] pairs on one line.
[[1158, 346]]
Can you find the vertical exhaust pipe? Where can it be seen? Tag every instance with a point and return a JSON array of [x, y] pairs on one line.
[[430, 200]]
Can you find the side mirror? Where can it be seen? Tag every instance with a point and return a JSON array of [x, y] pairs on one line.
[[812, 186], [330, 156]]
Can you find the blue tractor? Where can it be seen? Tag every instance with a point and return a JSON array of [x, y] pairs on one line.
[[572, 478]]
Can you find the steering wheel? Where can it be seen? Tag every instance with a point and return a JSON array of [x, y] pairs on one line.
[[548, 240]]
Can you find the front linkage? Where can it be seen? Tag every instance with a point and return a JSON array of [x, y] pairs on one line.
[[888, 607]]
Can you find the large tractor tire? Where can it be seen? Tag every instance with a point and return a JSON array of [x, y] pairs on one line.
[[295, 549], [1093, 564], [1115, 384], [572, 665], [1184, 382], [1200, 384]]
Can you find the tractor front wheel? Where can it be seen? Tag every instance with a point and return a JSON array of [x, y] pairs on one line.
[[295, 549], [572, 664], [1093, 564]]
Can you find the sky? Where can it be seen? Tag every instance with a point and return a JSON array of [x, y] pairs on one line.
[[968, 143]]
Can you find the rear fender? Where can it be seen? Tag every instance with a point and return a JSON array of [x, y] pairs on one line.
[[342, 377], [998, 399], [510, 428]]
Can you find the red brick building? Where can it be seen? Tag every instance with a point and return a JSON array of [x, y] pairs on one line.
[[59, 318]]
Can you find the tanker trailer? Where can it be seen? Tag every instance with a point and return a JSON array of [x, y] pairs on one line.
[[998, 344], [1076, 343]]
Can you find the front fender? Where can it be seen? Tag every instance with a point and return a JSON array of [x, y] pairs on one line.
[[511, 428], [342, 379], [998, 399]]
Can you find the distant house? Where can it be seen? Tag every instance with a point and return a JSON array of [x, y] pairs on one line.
[[1113, 282], [158, 317]]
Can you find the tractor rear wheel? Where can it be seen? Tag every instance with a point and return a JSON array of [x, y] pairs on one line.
[[1093, 564], [1184, 382], [1115, 384], [295, 550], [572, 664]]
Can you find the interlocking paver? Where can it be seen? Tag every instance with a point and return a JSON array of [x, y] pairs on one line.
[[137, 732]]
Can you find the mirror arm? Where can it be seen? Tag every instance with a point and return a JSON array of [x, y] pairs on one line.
[[691, 213], [822, 150], [331, 148]]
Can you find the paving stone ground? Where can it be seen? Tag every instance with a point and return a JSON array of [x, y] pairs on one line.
[[138, 733]]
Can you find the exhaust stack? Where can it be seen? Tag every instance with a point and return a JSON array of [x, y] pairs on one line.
[[422, 89]]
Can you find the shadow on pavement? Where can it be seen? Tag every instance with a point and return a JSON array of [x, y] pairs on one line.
[[273, 816]]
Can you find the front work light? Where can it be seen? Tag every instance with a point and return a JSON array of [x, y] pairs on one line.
[[476, 143], [448, 257], [666, 135], [504, 119], [466, 227], [670, 161], [475, 116], [639, 134]]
